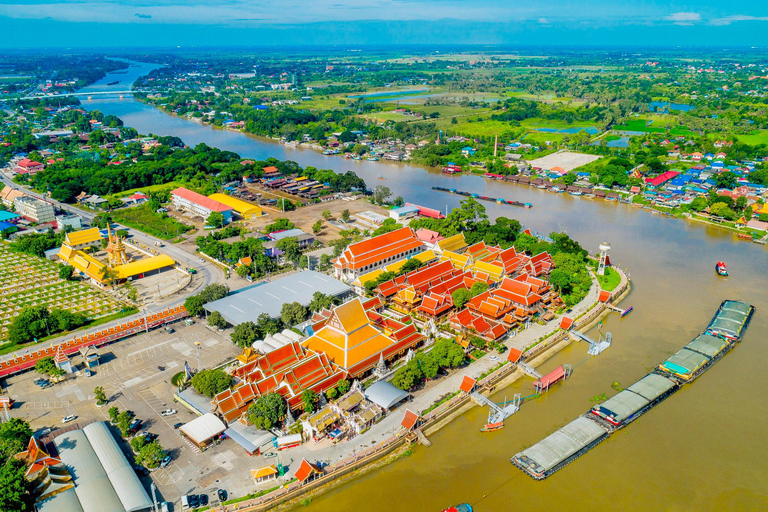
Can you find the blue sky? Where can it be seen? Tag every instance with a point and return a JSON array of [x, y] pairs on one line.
[[80, 23]]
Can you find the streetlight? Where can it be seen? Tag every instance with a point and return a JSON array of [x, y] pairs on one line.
[[199, 361]]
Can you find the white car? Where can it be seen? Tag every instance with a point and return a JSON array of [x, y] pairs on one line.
[[168, 412], [69, 418], [493, 358]]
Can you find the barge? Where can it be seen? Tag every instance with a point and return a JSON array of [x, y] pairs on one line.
[[483, 198], [570, 442]]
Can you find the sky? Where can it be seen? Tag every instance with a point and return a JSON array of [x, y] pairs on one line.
[[205, 23]]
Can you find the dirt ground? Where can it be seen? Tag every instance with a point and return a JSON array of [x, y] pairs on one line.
[[305, 216]]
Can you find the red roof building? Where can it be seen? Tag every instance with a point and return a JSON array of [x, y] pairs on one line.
[[661, 179], [427, 212], [288, 371], [409, 420], [604, 296], [377, 252], [27, 166], [566, 323], [467, 384], [307, 472], [197, 204], [514, 355]]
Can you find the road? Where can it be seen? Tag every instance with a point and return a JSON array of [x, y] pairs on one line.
[[208, 271]]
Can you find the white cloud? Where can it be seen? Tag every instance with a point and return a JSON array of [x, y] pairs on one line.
[[683, 18], [543, 21], [727, 20]]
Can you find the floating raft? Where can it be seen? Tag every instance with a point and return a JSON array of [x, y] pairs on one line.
[[483, 198], [570, 442]]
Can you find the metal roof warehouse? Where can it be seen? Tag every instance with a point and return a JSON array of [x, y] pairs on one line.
[[247, 304]]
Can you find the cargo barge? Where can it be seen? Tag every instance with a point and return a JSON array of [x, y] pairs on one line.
[[482, 198], [581, 435]]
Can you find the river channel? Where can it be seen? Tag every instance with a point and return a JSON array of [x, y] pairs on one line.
[[702, 449]]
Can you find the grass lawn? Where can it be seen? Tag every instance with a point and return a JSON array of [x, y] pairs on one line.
[[639, 125], [151, 188], [610, 280], [145, 219], [388, 116], [535, 122], [542, 137], [754, 138]]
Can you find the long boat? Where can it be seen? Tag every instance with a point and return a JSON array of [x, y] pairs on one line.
[[584, 433], [498, 200]]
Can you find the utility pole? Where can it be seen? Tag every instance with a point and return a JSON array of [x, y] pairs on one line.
[[199, 360]]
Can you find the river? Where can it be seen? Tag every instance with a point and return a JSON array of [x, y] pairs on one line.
[[702, 449]]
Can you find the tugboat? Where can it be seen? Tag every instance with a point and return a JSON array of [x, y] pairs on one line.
[[720, 269], [463, 507]]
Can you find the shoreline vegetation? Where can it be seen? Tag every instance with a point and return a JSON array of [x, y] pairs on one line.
[[434, 417]]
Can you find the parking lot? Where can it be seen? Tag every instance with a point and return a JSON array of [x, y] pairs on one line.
[[136, 374]]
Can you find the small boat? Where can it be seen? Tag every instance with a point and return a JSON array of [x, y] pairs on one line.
[[372, 159], [114, 83], [721, 269], [382, 178], [490, 427], [463, 507]]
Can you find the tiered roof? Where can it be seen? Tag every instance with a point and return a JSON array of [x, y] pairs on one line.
[[50, 473], [378, 249], [288, 370], [355, 339]]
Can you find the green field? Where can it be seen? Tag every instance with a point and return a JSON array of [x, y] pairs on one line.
[[639, 125], [144, 219], [754, 138], [150, 188]]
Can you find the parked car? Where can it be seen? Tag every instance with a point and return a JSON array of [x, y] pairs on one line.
[[168, 412], [222, 495], [149, 436], [177, 426], [164, 506], [493, 358], [202, 260], [170, 330], [69, 418], [185, 502], [269, 455], [44, 432], [166, 460], [39, 381], [88, 373], [135, 426], [45, 385], [203, 500]]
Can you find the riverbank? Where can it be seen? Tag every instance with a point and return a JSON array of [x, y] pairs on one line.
[[543, 346]]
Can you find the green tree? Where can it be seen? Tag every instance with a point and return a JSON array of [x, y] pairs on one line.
[[380, 194], [699, 204], [427, 364], [124, 423], [215, 219], [309, 398], [411, 265], [326, 214], [343, 386], [478, 288], [114, 414], [321, 301], [30, 324], [194, 305], [150, 455], [398, 201], [267, 325], [289, 246], [267, 411], [211, 382], [46, 366], [216, 320], [244, 334], [317, 227], [14, 437], [100, 395], [293, 313], [407, 376], [137, 443], [461, 297], [66, 272], [345, 215], [448, 353], [17, 491], [722, 210], [726, 179], [214, 292]]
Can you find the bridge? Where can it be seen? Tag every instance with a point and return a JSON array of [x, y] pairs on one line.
[[595, 347], [498, 412]]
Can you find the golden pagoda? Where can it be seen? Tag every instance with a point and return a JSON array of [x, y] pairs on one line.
[[115, 249]]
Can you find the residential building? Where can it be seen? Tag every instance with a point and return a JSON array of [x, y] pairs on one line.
[[403, 213], [71, 221], [9, 195], [197, 205], [27, 166], [377, 252], [35, 209]]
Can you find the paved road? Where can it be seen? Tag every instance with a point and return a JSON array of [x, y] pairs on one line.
[[209, 271]]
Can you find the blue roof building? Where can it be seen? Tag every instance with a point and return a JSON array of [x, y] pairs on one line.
[[8, 216]]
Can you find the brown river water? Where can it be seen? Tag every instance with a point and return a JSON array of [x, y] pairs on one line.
[[702, 449]]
